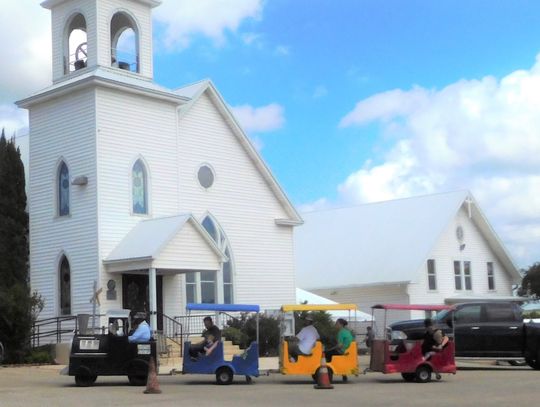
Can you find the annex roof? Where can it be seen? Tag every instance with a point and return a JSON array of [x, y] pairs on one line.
[[381, 243], [144, 245], [194, 91]]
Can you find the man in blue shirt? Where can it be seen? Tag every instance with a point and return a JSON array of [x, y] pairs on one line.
[[142, 332]]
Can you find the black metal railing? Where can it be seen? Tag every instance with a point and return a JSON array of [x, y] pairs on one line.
[[52, 328], [56, 329], [172, 329]]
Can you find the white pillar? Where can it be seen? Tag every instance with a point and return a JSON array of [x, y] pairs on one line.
[[153, 297]]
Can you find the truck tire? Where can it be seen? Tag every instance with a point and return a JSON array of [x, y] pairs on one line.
[[137, 380], [534, 362]]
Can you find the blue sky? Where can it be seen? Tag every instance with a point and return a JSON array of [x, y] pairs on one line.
[[350, 50], [352, 101]]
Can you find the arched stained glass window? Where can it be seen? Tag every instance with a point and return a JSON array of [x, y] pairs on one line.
[[139, 188], [222, 242], [65, 287], [63, 190]]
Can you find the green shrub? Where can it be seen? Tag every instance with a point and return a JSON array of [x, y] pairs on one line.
[[531, 314], [242, 331], [38, 356]]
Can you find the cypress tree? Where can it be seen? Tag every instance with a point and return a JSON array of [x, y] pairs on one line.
[[15, 298]]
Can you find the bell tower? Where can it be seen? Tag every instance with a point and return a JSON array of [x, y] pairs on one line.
[[87, 34]]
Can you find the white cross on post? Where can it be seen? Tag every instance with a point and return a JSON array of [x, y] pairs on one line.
[[95, 300]]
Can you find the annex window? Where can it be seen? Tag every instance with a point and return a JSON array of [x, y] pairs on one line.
[[457, 275], [63, 189], [65, 287], [139, 188], [490, 276], [463, 275], [432, 278]]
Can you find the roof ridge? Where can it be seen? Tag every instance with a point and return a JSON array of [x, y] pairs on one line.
[[336, 208]]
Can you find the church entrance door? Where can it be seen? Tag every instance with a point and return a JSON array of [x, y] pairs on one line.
[[135, 295]]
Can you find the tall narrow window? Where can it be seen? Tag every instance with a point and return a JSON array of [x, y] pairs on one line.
[[139, 188], [457, 275], [205, 282], [468, 276], [65, 287], [63, 190], [208, 287], [432, 279], [227, 279], [491, 276], [191, 287]]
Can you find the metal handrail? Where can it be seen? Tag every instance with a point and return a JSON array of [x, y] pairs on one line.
[[172, 330]]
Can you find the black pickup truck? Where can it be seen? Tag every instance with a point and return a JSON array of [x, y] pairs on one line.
[[491, 330]]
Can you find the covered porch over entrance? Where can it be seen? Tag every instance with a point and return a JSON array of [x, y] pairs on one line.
[[161, 247]]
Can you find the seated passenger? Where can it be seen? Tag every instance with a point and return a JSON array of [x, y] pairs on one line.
[[304, 342], [344, 340], [142, 331], [434, 340], [211, 337]]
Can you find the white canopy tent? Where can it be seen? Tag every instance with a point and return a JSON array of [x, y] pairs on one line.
[[303, 297]]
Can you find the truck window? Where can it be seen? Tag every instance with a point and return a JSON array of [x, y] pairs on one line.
[[500, 312], [469, 314]]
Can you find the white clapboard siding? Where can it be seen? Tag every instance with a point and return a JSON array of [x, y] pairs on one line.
[[445, 251], [241, 201], [367, 296], [70, 136], [188, 251], [132, 127]]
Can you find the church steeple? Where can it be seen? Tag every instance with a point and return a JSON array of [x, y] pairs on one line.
[[110, 33]]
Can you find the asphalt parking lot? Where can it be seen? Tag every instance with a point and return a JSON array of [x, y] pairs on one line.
[[472, 386]]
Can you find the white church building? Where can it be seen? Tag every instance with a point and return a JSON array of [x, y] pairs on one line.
[[156, 194], [433, 249]]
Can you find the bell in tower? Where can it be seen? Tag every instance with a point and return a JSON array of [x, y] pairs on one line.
[[92, 34], [76, 55]]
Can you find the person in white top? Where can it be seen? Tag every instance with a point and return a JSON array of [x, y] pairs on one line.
[[304, 341]]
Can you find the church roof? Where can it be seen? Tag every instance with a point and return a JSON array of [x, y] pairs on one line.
[[381, 243], [105, 76]]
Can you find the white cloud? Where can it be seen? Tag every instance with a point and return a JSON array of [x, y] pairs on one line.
[[482, 135], [260, 119], [25, 48], [12, 119], [211, 18]]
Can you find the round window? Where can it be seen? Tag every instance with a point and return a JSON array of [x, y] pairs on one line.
[[206, 176]]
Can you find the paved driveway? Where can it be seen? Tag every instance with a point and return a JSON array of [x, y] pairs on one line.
[[477, 386]]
